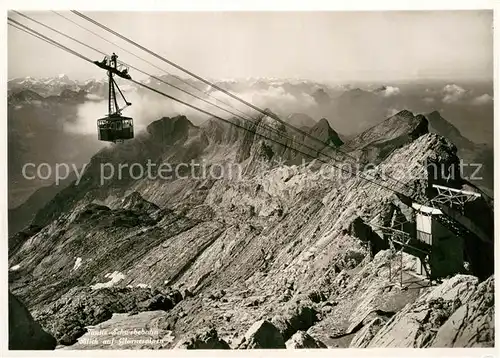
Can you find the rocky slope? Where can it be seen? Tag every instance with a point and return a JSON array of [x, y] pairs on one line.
[[458, 313], [213, 142], [21, 216], [376, 143], [272, 259]]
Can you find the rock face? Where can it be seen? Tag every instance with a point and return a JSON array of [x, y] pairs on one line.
[[323, 131], [456, 313], [24, 332], [472, 324], [363, 338], [376, 143], [281, 250], [262, 334]]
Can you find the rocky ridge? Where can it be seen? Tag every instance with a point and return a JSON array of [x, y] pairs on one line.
[[270, 260]]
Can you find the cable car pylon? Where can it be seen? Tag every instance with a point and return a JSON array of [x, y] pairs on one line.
[[114, 127]]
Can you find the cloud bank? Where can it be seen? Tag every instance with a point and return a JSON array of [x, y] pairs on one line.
[[481, 100], [148, 107], [391, 91], [453, 93]]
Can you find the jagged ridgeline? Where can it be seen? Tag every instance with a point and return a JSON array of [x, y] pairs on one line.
[[287, 255]]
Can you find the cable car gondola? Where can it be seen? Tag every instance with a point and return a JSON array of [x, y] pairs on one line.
[[114, 127]]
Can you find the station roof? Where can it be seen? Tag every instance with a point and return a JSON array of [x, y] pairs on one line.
[[429, 210]]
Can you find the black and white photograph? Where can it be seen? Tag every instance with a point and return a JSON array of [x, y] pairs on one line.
[[239, 180]]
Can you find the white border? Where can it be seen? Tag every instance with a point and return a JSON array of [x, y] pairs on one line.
[[234, 5], [249, 5]]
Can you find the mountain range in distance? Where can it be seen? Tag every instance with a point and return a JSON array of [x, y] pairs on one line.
[[53, 119]]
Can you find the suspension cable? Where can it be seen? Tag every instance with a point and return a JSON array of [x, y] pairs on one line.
[[152, 64], [52, 42], [73, 52], [133, 67], [272, 115], [65, 48], [268, 127]]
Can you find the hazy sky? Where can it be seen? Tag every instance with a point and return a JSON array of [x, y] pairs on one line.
[[325, 46]]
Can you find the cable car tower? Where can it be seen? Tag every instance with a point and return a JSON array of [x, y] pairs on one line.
[[114, 127]]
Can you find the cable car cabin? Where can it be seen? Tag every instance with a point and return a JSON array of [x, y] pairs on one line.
[[115, 128]]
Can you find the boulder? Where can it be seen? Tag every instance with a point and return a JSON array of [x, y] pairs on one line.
[[296, 318], [262, 334], [207, 339], [158, 302], [302, 340]]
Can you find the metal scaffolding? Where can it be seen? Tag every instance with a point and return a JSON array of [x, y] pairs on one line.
[[453, 198]]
